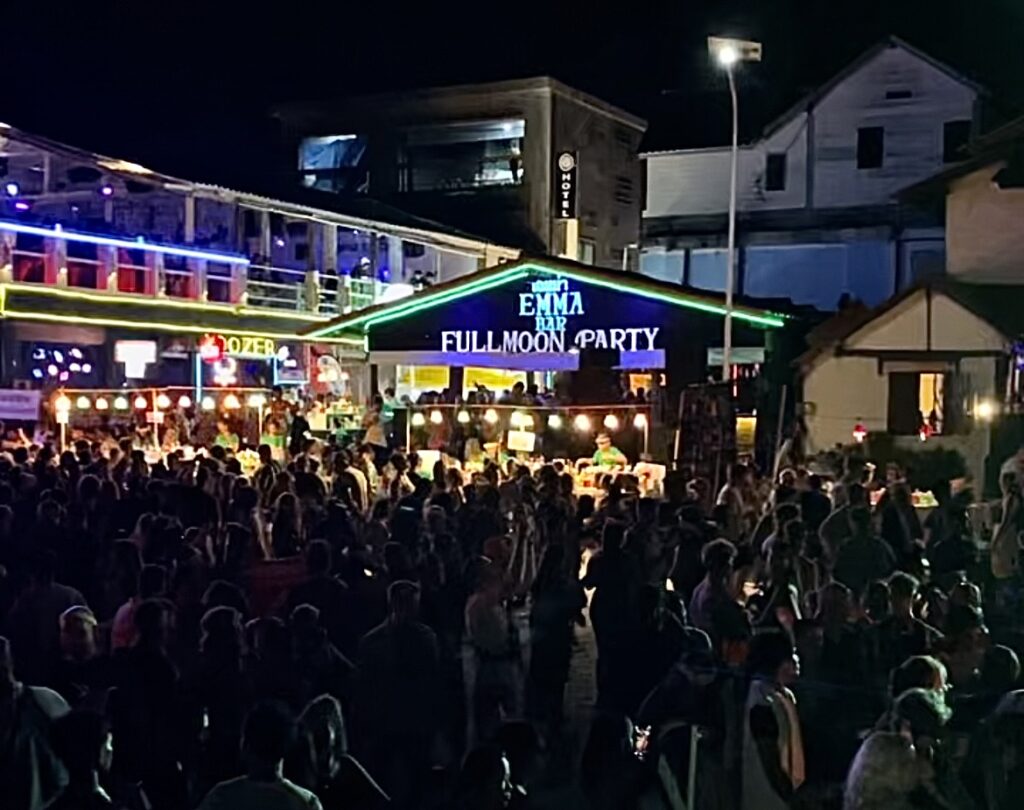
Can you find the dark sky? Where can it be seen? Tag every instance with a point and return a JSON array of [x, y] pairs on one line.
[[185, 86]]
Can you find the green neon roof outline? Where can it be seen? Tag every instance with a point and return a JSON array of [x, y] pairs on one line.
[[522, 271]]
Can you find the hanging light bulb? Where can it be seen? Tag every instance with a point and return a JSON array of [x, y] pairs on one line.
[[611, 421], [163, 402], [436, 417], [462, 417], [581, 422], [256, 401], [526, 423], [231, 403], [555, 421], [184, 401], [517, 419], [120, 403], [102, 404], [140, 403], [640, 421], [490, 416], [208, 403], [83, 403], [62, 403], [418, 420]]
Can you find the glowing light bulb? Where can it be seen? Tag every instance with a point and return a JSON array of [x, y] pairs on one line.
[[436, 417], [555, 421], [462, 417], [516, 419], [611, 421], [62, 403], [120, 403], [102, 404], [83, 403], [140, 403], [163, 401], [184, 401], [256, 401], [581, 422], [490, 416], [640, 421], [231, 403], [418, 420], [208, 403], [985, 410]]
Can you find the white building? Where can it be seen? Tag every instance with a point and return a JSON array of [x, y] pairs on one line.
[[817, 217], [948, 351]]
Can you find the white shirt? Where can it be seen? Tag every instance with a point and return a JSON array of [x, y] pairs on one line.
[[244, 792]]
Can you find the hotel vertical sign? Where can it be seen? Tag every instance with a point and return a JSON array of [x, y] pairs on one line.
[[565, 185]]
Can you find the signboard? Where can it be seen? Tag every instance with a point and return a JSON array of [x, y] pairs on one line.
[[552, 314], [566, 172], [19, 405], [214, 347]]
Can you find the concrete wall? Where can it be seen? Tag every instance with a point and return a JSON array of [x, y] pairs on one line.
[[984, 238], [609, 167]]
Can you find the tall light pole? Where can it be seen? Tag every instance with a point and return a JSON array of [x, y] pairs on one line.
[[728, 53]]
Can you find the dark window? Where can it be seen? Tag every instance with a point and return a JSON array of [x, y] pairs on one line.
[[623, 190], [896, 95], [955, 135], [916, 398], [870, 147], [775, 172]]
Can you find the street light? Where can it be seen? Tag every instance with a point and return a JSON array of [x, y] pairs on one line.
[[728, 53]]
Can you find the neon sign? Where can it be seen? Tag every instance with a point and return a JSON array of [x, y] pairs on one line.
[[550, 302], [213, 347]]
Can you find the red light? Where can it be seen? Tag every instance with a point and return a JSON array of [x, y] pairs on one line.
[[211, 348], [860, 433]]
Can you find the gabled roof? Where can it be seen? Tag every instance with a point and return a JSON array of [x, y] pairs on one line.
[[502, 274], [816, 95], [999, 305]]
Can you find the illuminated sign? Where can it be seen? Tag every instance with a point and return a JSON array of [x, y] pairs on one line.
[[550, 302], [213, 348], [551, 305], [136, 355], [565, 185]]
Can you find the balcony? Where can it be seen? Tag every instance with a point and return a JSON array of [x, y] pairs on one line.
[[51, 256]]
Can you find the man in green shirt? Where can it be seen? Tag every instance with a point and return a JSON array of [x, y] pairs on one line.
[[608, 455]]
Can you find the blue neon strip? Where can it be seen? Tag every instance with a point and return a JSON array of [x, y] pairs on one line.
[[129, 244]]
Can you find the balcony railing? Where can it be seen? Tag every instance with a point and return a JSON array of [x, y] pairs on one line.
[[31, 254]]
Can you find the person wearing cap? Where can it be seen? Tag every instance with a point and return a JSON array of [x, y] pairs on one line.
[[82, 675], [607, 455]]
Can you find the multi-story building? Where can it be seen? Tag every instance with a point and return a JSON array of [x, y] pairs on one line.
[[120, 263], [484, 158], [817, 218]]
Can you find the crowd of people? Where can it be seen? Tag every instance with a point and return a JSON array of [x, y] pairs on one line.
[[347, 630]]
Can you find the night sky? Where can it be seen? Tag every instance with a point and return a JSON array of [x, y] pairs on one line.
[[185, 87]]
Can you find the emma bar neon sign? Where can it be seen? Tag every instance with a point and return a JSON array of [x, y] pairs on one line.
[[129, 244]]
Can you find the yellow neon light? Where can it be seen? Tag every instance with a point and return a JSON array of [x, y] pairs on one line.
[[108, 298], [166, 327]]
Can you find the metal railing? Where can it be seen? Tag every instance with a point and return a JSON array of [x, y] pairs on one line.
[[259, 285]]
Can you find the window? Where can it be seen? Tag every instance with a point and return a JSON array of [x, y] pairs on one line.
[[870, 147], [955, 135], [586, 251], [333, 162], [916, 399], [623, 190], [775, 172], [473, 154]]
